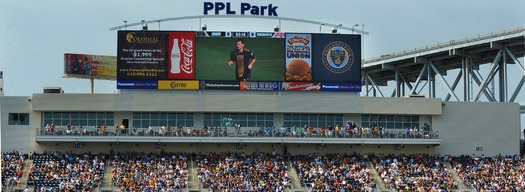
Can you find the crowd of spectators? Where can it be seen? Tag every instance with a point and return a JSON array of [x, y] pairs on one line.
[[12, 168], [66, 171], [137, 171], [334, 172], [134, 171], [348, 131], [243, 172], [500, 173], [415, 172]]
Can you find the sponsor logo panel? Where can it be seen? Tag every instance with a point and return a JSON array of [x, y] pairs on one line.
[[341, 87], [178, 85], [137, 84], [301, 86], [260, 86]]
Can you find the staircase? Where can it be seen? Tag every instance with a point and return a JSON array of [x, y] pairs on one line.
[[106, 184], [25, 176], [376, 176], [461, 185], [292, 174], [193, 183]]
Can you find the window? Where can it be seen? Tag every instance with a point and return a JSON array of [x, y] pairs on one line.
[[316, 120], [18, 119], [245, 119], [144, 120], [79, 118], [390, 121]]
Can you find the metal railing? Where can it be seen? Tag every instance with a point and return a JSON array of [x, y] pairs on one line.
[[445, 44], [243, 132]]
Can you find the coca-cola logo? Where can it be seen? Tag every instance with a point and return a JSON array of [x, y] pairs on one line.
[[186, 48]]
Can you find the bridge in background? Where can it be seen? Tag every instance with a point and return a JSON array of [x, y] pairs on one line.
[[421, 67]]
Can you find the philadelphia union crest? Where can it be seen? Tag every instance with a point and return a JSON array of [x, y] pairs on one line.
[[338, 57]]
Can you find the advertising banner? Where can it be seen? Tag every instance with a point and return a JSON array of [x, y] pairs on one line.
[[337, 58], [178, 85], [182, 55], [219, 85], [341, 87], [142, 55], [300, 86], [137, 84], [298, 57], [240, 59], [90, 66], [260, 86]]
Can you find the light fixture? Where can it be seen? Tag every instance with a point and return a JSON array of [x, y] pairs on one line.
[[276, 29], [356, 25], [125, 25], [204, 27], [144, 26], [334, 30]]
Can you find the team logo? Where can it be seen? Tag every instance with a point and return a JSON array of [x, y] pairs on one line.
[[338, 57], [130, 37]]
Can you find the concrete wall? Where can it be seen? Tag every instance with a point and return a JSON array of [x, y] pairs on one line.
[[235, 103], [478, 128], [17, 137], [465, 128]]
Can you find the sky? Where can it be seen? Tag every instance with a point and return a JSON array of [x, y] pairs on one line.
[[34, 35]]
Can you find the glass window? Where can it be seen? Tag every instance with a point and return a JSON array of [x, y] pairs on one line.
[[154, 116], [145, 116], [136, 123], [172, 123], [83, 115], [137, 116], [13, 119], [365, 117], [101, 116]]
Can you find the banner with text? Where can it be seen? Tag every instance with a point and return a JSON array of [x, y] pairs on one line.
[[260, 86], [182, 55], [219, 85], [142, 55], [178, 85], [90, 66], [341, 87], [300, 86], [137, 84], [298, 57]]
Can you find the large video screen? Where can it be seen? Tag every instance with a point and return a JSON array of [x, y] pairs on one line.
[[240, 60]]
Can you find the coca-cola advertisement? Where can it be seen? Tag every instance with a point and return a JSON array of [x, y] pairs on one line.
[[181, 63], [301, 86]]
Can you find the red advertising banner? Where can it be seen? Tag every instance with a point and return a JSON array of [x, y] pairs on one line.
[[181, 55], [301, 86]]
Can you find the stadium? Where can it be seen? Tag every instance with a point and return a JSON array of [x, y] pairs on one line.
[[183, 121]]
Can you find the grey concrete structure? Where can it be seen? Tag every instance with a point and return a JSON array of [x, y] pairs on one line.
[[463, 128]]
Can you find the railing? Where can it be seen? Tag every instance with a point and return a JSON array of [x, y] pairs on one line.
[[243, 132], [445, 44]]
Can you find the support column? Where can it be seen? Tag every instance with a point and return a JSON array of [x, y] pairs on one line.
[[398, 83], [503, 79], [92, 82]]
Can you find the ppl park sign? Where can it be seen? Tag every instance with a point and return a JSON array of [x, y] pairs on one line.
[[245, 8]]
